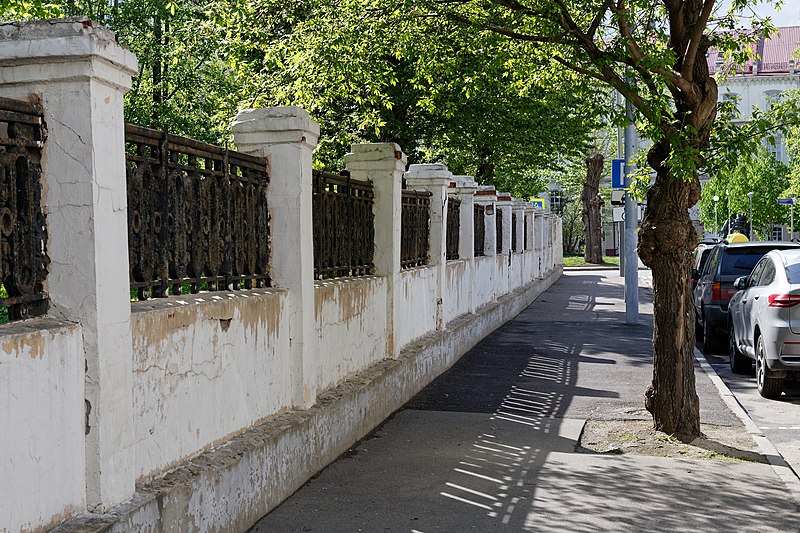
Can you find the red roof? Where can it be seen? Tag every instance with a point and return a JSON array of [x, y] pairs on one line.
[[772, 56]]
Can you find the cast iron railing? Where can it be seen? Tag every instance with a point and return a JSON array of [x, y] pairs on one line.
[[23, 229], [499, 229], [479, 225], [197, 216], [453, 227], [415, 228], [513, 232], [525, 231], [344, 226]]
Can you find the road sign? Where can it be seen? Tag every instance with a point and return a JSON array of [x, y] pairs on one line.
[[617, 197], [787, 201], [618, 213], [617, 174]]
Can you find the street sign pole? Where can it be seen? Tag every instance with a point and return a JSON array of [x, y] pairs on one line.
[[631, 223]]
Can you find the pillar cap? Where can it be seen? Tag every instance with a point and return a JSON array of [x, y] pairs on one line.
[[56, 46], [274, 125]]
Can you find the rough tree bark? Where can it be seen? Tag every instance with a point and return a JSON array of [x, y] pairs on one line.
[[667, 237], [591, 202]]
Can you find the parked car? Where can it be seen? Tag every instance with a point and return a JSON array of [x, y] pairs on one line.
[[714, 289], [700, 257], [765, 321]]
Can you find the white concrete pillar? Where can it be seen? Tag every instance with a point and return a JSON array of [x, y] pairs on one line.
[[559, 242], [435, 178], [504, 202], [487, 196], [530, 256], [82, 75], [287, 137], [539, 242], [518, 210], [384, 165], [465, 191], [529, 215]]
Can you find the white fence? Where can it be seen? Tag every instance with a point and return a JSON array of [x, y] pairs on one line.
[[103, 394]]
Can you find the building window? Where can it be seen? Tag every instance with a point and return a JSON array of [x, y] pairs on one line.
[[771, 98], [556, 200], [777, 148]]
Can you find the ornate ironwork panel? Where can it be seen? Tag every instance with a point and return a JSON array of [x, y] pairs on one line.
[[453, 226], [197, 216], [479, 223], [344, 226], [415, 228], [499, 228], [525, 231], [513, 232], [23, 229]]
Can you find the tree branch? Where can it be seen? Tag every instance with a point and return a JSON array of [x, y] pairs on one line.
[[508, 32], [687, 71]]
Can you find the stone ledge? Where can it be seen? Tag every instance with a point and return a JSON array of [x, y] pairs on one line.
[[230, 487]]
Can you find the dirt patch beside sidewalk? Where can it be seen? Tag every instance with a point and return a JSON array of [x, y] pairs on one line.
[[718, 443]]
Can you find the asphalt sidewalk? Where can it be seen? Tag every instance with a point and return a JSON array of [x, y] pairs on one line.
[[492, 445]]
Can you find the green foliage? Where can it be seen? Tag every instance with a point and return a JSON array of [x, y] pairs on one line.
[[760, 173], [29, 9], [379, 71], [367, 70]]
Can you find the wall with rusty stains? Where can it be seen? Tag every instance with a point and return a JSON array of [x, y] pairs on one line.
[[350, 316], [456, 294], [204, 368], [42, 424], [416, 314], [483, 288], [515, 271]]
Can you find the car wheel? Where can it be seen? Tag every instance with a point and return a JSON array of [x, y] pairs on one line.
[[710, 339], [740, 363], [768, 387]]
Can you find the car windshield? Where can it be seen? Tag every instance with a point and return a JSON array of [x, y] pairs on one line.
[[740, 262]]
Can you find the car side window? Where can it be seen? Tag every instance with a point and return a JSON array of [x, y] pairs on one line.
[[754, 279], [768, 274], [711, 263]]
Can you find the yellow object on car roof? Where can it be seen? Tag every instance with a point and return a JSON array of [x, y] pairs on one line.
[[736, 237]]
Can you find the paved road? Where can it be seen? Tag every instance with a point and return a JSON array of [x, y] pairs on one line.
[[779, 420], [492, 445]]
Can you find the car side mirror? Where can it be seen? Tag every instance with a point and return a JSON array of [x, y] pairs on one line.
[[695, 274], [740, 283]]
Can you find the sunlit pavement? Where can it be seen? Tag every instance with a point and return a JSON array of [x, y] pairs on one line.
[[492, 444]]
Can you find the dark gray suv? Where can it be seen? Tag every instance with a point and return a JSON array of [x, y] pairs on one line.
[[715, 287]]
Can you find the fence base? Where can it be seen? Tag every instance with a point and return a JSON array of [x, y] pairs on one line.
[[243, 479]]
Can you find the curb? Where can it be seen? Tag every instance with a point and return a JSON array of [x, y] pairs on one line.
[[779, 465]]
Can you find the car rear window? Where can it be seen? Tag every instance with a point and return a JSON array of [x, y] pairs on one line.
[[740, 262], [793, 273]]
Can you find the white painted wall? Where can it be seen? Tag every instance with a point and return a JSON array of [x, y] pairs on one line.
[[457, 293], [416, 310], [483, 287], [206, 367], [350, 316], [42, 422]]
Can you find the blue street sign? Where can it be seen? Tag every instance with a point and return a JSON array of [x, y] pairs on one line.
[[617, 174], [787, 201]]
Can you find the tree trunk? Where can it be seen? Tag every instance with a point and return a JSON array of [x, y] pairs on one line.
[[591, 209], [666, 240]]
